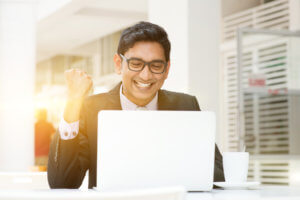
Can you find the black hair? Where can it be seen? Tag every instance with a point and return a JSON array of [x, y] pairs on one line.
[[144, 31]]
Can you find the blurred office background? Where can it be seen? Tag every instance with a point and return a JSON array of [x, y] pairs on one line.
[[41, 39]]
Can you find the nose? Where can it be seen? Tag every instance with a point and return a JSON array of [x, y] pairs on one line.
[[146, 74]]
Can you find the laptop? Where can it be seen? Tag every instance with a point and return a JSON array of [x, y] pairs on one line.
[[148, 149]]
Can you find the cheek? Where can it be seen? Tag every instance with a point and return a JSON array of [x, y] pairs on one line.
[[127, 76], [160, 78]]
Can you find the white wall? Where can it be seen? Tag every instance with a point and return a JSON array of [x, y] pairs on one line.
[[204, 75], [193, 27], [173, 17], [233, 6], [17, 77]]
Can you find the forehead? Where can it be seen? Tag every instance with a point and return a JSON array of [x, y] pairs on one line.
[[146, 50]]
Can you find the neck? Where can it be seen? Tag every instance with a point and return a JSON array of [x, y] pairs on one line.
[[138, 102]]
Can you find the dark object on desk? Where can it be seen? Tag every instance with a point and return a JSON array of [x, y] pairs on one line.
[[70, 159]]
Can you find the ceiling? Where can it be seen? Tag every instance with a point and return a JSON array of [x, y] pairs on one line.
[[80, 22]]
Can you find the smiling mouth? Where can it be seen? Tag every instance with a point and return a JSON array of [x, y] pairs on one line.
[[143, 85]]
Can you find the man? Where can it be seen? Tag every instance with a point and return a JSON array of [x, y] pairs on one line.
[[143, 62]]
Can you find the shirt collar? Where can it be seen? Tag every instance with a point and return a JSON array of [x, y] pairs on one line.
[[126, 104]]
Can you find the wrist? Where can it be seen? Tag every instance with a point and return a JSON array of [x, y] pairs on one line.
[[72, 109], [74, 97]]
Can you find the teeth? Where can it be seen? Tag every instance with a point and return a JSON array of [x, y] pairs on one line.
[[143, 84]]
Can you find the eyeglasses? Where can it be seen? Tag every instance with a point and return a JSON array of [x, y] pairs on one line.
[[137, 65]]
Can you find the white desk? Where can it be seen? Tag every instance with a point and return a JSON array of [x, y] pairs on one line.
[[263, 193], [270, 193]]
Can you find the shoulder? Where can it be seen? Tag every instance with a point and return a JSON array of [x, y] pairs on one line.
[[97, 100], [104, 98], [96, 97], [177, 95], [178, 101]]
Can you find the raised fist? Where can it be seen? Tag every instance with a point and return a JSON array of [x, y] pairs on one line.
[[78, 83]]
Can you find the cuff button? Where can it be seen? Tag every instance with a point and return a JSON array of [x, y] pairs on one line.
[[66, 134], [74, 133]]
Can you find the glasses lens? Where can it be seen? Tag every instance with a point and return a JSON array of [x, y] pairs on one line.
[[157, 67], [135, 64]]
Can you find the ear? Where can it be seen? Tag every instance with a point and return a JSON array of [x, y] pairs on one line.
[[167, 69], [118, 63]]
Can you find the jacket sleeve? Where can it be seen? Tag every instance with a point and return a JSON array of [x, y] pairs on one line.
[[218, 170], [69, 159]]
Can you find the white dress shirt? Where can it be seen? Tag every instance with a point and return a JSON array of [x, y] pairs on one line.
[[70, 130]]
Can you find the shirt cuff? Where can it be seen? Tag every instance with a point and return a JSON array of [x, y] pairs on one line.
[[67, 130]]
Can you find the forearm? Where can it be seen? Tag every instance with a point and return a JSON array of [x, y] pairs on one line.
[[72, 110], [218, 171], [65, 167]]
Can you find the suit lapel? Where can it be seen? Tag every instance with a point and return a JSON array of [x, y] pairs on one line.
[[113, 102], [164, 102]]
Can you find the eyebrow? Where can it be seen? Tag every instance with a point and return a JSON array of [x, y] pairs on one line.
[[160, 60]]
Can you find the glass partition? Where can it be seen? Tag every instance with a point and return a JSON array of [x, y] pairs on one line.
[[268, 104]]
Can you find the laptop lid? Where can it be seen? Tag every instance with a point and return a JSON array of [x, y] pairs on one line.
[[144, 149]]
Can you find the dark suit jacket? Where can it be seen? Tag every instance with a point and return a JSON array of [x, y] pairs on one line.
[[70, 159]]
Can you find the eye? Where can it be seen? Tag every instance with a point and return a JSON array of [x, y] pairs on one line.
[[136, 63], [157, 65]]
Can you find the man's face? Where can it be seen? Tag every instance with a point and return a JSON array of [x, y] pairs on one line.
[[141, 87]]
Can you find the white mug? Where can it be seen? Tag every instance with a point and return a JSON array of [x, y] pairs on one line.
[[235, 165]]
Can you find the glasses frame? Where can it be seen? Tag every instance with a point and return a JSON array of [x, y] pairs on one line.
[[144, 64]]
